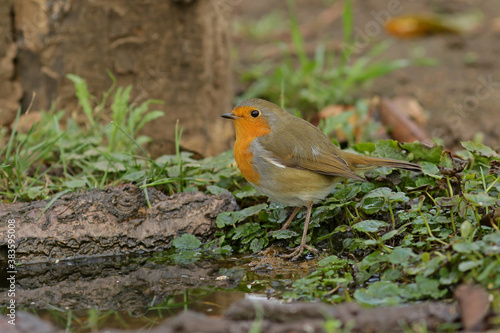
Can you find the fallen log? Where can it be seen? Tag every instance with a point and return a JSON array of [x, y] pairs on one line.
[[109, 221], [312, 317], [249, 316]]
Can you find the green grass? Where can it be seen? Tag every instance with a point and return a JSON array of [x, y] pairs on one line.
[[59, 155]]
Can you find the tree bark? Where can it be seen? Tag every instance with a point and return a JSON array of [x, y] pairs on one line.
[[112, 221], [10, 87]]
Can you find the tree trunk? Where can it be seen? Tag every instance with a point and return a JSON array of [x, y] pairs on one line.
[[10, 88], [175, 51]]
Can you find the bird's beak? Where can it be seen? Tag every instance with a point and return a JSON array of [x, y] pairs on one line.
[[229, 116]]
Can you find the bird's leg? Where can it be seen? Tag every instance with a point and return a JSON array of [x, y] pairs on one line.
[[297, 252], [290, 219]]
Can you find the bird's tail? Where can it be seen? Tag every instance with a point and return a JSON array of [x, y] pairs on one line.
[[361, 163]]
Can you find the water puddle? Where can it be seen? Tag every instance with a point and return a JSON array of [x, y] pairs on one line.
[[130, 292]]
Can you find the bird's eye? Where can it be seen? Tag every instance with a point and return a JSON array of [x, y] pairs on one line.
[[255, 113]]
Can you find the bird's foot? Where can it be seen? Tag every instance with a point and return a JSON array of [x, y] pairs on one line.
[[297, 252]]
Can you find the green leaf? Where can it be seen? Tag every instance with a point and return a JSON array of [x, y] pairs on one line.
[[397, 197], [328, 261], [447, 277], [480, 199], [186, 242], [431, 169], [367, 243], [109, 167], [224, 250], [366, 187], [389, 149], [373, 202], [492, 242], [468, 265], [389, 235], [427, 266], [465, 229], [346, 194], [247, 191], [36, 192], [75, 183], [379, 293], [425, 181], [134, 176], [230, 218], [373, 258], [427, 287], [448, 201], [432, 266], [284, 234], [364, 147], [224, 219], [391, 275], [352, 244], [246, 231], [342, 228], [377, 199], [249, 211], [421, 152], [369, 225], [466, 247], [490, 274], [479, 149], [216, 190], [150, 116], [83, 96], [277, 215], [399, 255], [257, 244]]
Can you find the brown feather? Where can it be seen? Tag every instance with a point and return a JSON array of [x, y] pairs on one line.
[[361, 162]]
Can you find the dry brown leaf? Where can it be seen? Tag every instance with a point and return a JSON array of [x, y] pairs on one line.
[[401, 127], [473, 304], [411, 108], [28, 120], [417, 25]]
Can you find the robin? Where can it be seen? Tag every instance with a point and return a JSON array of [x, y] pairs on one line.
[[291, 161]]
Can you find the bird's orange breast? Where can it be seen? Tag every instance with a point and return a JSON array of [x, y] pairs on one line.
[[244, 158], [248, 130]]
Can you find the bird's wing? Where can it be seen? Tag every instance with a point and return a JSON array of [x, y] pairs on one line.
[[307, 149]]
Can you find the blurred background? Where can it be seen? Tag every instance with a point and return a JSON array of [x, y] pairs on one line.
[[450, 49]]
